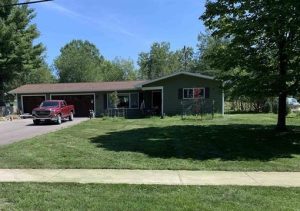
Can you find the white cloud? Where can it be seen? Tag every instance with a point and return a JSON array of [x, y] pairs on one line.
[[110, 23]]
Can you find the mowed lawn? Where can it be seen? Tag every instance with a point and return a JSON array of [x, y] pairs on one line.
[[137, 197], [236, 142]]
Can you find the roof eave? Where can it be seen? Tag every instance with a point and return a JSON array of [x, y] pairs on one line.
[[178, 73], [73, 91]]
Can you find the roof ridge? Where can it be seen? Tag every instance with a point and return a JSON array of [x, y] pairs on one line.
[[95, 82]]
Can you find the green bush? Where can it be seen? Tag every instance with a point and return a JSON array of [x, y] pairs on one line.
[[275, 108], [267, 107]]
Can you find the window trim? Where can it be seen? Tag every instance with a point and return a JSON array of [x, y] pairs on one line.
[[124, 94], [188, 98]]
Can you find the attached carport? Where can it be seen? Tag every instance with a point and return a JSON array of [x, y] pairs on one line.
[[82, 102]]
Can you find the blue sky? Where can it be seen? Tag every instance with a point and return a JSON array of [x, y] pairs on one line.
[[119, 28]]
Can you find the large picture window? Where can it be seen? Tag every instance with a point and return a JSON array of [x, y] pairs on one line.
[[123, 101], [126, 100], [193, 93]]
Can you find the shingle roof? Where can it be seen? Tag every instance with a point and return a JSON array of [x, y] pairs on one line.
[[176, 74], [94, 86], [77, 87]]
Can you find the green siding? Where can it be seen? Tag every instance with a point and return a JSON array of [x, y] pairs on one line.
[[172, 105]]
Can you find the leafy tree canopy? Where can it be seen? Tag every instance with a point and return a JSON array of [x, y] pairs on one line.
[[18, 54], [263, 53], [79, 61], [161, 61]]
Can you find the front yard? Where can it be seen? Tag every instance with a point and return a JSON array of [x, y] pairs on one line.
[[138, 197], [236, 142]]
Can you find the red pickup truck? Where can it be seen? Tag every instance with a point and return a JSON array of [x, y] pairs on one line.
[[53, 110]]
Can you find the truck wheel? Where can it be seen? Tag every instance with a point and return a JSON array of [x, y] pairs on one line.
[[71, 117], [36, 122], [58, 121]]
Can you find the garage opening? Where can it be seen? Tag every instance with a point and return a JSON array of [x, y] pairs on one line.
[[31, 102], [82, 103]]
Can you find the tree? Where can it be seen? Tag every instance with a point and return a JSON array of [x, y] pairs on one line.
[[109, 72], [126, 68], [118, 70], [79, 61], [264, 45], [40, 75], [18, 54], [207, 56], [184, 59], [156, 63], [161, 61]]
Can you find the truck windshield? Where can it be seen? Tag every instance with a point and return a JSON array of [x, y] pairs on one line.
[[49, 104]]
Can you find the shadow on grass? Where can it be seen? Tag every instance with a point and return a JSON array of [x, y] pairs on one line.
[[225, 142]]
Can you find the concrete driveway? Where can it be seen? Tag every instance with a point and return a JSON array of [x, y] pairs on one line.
[[18, 130]]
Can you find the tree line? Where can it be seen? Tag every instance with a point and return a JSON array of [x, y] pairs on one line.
[[81, 61]]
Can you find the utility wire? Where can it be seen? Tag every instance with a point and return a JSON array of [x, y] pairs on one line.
[[25, 3]]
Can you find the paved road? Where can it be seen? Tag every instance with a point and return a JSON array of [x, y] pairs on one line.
[[152, 177], [18, 130]]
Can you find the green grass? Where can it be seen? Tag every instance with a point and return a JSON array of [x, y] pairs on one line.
[[135, 197], [236, 142]]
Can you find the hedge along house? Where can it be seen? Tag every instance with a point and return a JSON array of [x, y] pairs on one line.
[[164, 95]]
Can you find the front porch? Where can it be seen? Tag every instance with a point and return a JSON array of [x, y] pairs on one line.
[[150, 103], [153, 101]]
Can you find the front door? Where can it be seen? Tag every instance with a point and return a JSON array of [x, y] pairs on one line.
[[156, 102]]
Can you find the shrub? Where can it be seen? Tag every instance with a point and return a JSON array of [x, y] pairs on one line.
[[267, 107], [275, 108]]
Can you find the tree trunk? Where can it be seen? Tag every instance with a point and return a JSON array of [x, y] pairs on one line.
[[282, 68], [1, 91], [281, 122]]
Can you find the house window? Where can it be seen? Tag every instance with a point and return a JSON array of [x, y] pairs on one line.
[[193, 93], [126, 100], [188, 93], [123, 101]]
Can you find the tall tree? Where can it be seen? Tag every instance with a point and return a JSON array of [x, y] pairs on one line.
[[40, 75], [18, 54], [156, 63], [79, 61], [118, 70], [184, 59], [264, 44], [109, 72], [161, 61], [126, 68], [207, 55]]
